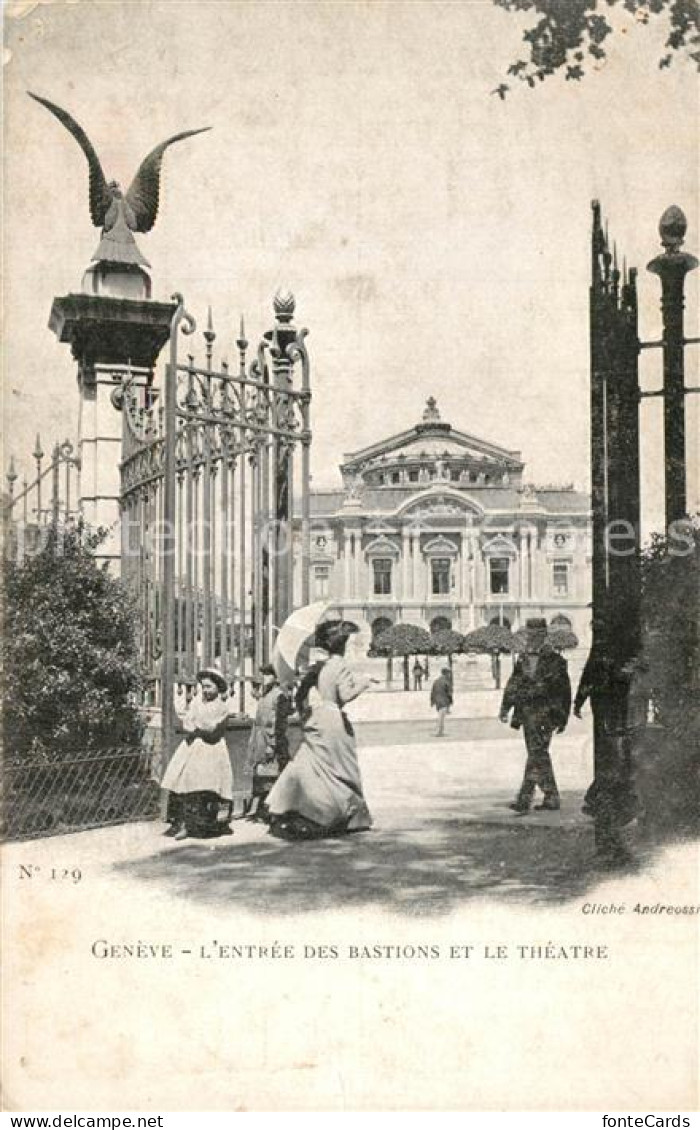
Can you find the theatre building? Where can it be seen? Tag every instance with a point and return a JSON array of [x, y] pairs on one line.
[[436, 527]]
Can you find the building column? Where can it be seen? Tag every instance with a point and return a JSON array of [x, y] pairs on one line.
[[357, 583], [346, 564], [405, 565], [418, 593], [473, 543], [522, 567], [538, 572]]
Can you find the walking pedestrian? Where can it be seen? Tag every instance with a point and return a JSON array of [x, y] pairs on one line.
[[418, 675], [320, 791], [539, 695], [441, 698]]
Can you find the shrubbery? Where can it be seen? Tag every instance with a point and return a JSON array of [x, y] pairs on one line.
[[71, 671]]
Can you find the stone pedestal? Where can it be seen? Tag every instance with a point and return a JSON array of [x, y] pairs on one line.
[[106, 334]]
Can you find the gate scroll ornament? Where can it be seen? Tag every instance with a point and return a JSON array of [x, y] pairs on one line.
[[209, 474]]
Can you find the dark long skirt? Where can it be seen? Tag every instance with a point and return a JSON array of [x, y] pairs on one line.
[[197, 812]]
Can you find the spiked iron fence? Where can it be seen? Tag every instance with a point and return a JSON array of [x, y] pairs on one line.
[[52, 496]]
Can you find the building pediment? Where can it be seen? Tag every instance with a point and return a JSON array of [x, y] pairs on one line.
[[440, 547], [382, 547], [500, 546], [440, 503]]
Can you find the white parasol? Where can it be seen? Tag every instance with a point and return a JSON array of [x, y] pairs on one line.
[[295, 635]]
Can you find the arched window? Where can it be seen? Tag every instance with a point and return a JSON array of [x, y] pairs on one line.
[[500, 620], [440, 624], [561, 621], [381, 624]]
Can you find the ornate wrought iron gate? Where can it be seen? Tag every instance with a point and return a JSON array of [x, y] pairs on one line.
[[211, 466], [615, 483], [615, 472]]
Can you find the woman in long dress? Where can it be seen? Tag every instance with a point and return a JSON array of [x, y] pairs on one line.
[[320, 791], [199, 775]]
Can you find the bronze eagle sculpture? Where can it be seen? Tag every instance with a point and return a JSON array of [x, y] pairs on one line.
[[119, 215]]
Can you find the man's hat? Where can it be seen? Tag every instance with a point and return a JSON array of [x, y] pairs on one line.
[[267, 669], [216, 677]]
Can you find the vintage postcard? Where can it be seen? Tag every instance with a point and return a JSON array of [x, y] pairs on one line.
[[351, 555]]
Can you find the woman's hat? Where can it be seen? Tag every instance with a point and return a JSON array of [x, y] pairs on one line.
[[329, 631], [215, 676]]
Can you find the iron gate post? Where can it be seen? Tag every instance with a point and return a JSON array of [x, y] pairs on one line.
[[616, 538], [181, 321], [281, 338], [672, 267]]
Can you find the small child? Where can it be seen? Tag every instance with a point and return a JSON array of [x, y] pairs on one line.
[[199, 775]]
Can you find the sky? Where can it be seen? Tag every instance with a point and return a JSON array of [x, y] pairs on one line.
[[435, 237]]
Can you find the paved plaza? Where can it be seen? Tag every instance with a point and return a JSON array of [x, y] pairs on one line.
[[446, 863], [443, 834]]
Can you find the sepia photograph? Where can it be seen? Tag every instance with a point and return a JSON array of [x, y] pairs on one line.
[[351, 556]]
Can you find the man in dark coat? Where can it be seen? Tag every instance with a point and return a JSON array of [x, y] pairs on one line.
[[619, 695], [268, 751], [539, 695], [441, 698]]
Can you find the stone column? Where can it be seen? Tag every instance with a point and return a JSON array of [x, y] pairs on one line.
[[347, 583], [473, 543], [357, 583], [418, 592], [405, 565], [99, 448]]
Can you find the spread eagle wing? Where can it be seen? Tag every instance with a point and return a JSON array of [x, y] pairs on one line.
[[100, 198], [144, 190]]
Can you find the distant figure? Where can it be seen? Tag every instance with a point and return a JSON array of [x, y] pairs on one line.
[[441, 698], [199, 776], [418, 675], [268, 749], [539, 694]]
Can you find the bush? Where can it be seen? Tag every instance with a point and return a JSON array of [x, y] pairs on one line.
[[72, 677], [671, 615]]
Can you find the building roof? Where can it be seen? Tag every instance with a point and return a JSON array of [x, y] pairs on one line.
[[442, 469], [431, 438], [325, 503]]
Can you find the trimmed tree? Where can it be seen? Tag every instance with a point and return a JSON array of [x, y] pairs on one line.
[[71, 669], [563, 639], [494, 640], [404, 640], [447, 642]]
